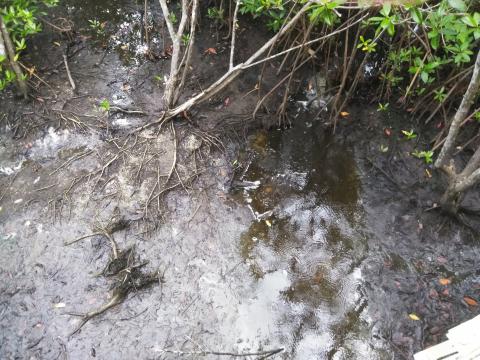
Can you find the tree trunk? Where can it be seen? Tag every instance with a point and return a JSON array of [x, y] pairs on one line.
[[451, 200], [7, 44], [460, 115], [459, 182]]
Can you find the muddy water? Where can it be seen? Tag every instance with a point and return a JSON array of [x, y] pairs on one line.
[[305, 246]]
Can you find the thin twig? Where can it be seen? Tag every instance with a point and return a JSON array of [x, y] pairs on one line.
[[220, 353], [70, 79]]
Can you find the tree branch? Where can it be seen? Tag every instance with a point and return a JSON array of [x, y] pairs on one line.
[[191, 42], [234, 32], [462, 112]]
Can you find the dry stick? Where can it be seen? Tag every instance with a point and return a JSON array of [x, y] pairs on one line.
[[174, 162], [260, 79], [282, 109], [145, 24], [259, 103], [165, 190], [285, 58], [70, 79], [32, 73], [69, 161], [421, 104], [467, 119], [414, 77], [7, 48], [439, 106], [219, 353], [234, 32], [345, 75], [231, 75], [67, 243], [355, 81]]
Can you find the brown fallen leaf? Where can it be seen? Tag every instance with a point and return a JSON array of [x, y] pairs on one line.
[[470, 301], [344, 113], [211, 51], [444, 281]]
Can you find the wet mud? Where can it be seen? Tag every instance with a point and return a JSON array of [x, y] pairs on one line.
[[262, 240]]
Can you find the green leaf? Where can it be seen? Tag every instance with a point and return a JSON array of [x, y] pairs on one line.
[[416, 15], [469, 21], [387, 7], [458, 5], [424, 76], [105, 105]]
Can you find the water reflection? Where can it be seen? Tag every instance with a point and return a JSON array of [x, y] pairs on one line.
[[310, 189]]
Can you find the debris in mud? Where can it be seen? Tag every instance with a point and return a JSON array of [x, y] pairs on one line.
[[124, 265]]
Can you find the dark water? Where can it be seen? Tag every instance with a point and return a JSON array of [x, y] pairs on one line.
[[306, 246]]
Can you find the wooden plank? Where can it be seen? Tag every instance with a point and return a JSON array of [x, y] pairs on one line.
[[445, 350], [463, 344]]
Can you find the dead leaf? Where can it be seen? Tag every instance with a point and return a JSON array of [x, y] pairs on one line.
[[441, 259], [429, 175], [56, 43], [444, 281], [211, 51], [470, 301], [387, 131], [414, 317], [344, 113]]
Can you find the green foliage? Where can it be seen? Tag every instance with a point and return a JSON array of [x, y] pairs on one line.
[[20, 18], [173, 18], [367, 45], [105, 105], [185, 39], [409, 135], [425, 155], [440, 95], [97, 27], [324, 12], [386, 21], [439, 39], [215, 14], [383, 107]]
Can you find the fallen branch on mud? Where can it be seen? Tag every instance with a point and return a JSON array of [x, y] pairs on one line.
[[263, 354], [69, 74], [123, 265]]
